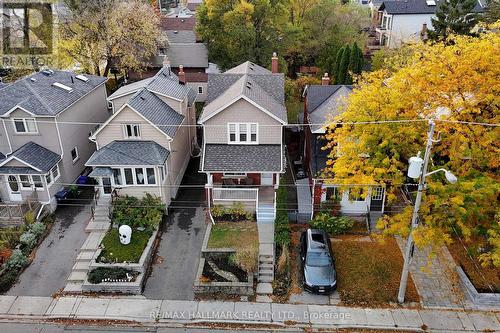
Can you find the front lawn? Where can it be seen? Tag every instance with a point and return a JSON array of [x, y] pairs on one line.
[[368, 272], [236, 235], [115, 252]]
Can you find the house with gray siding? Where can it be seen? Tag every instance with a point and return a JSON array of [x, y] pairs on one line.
[[243, 153], [145, 146], [45, 120]]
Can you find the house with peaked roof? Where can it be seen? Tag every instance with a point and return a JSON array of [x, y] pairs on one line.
[[145, 146], [45, 120], [323, 103], [243, 153], [408, 20]]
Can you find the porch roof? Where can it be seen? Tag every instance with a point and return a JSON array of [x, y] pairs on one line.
[[243, 158], [35, 157], [13, 170], [129, 152], [101, 172]]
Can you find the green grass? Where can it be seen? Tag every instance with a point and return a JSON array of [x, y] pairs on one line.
[[236, 235], [294, 108], [114, 251]]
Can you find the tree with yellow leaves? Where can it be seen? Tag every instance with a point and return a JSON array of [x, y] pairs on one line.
[[456, 84]]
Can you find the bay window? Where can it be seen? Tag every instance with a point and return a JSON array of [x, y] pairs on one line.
[[134, 176], [37, 181], [25, 181]]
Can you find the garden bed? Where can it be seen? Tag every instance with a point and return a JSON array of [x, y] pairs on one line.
[[484, 279], [223, 263], [233, 235], [369, 272]]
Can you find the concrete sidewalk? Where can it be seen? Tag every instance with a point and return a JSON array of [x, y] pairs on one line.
[[164, 312]]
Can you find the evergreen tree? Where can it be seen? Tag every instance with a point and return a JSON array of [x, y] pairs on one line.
[[343, 76], [338, 59], [453, 17], [356, 59]]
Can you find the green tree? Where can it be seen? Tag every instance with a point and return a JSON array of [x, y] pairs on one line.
[[343, 76], [356, 59], [453, 17], [492, 12], [99, 34], [240, 30]]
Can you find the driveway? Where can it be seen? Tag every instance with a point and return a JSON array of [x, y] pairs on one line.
[[56, 255], [183, 230]]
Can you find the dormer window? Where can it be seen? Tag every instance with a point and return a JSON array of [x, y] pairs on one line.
[[25, 125], [242, 133], [132, 131]]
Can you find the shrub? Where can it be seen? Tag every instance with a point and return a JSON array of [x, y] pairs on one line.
[[246, 258], [333, 225], [218, 211], [9, 237], [97, 275], [283, 260], [16, 261], [145, 213], [28, 240], [29, 217], [37, 229], [7, 279]]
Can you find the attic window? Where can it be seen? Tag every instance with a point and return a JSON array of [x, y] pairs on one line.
[[82, 78], [431, 2], [62, 86]]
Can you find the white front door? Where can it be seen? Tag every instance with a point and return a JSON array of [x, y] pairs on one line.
[[14, 188], [105, 186], [266, 179]]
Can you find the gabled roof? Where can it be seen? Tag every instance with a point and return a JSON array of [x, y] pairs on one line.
[[36, 157], [37, 94], [248, 81], [324, 102], [181, 36], [128, 152], [175, 23], [243, 158], [188, 55], [400, 7], [130, 88], [156, 111]]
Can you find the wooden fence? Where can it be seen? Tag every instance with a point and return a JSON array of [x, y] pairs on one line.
[[12, 214]]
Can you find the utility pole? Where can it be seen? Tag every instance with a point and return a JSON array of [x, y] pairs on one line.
[[414, 218]]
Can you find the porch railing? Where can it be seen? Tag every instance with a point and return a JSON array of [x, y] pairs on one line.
[[223, 195]]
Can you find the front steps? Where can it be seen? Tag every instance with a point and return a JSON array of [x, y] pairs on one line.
[[96, 228], [266, 216]]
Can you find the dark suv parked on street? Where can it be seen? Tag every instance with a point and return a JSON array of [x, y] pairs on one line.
[[317, 262]]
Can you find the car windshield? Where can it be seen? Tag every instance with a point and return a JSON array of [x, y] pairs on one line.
[[318, 259]]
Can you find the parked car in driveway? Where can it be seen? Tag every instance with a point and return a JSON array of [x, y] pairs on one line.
[[317, 262]]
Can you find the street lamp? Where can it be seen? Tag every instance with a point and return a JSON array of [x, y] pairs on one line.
[[418, 169]]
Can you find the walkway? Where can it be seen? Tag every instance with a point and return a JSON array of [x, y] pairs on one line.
[[304, 199], [183, 230], [435, 278], [56, 255], [170, 312]]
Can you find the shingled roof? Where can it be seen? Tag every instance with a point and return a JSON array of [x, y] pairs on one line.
[[38, 95], [416, 7], [38, 159], [129, 152], [250, 81]]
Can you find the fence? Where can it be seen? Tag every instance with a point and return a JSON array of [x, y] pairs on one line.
[[13, 213], [224, 196]]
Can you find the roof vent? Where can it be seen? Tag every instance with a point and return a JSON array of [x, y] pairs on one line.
[[48, 72], [430, 2], [32, 79], [142, 97], [82, 78], [62, 86], [176, 32]]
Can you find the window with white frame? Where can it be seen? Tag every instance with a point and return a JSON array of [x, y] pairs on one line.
[[25, 125], [234, 174], [129, 178], [117, 175], [134, 176], [55, 172], [132, 131], [74, 154], [37, 181], [200, 89], [25, 182], [243, 133], [377, 193]]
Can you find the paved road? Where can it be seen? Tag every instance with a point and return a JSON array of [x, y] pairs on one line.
[[52, 328], [180, 247], [57, 253]]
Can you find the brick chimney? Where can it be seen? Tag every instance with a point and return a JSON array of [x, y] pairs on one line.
[[424, 33], [182, 75], [325, 80], [274, 63]]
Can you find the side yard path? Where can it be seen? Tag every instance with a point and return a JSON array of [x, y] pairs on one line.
[[56, 255], [165, 312], [435, 279]]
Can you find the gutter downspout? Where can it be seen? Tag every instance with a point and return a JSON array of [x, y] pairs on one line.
[[7, 135], [59, 137]]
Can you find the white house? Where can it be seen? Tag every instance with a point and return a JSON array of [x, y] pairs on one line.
[[404, 21]]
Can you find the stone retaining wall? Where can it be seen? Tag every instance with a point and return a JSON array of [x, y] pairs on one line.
[[479, 299], [123, 287]]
